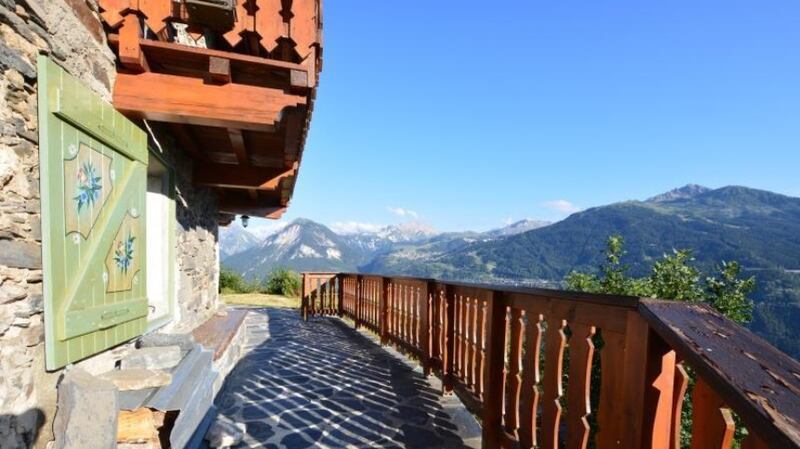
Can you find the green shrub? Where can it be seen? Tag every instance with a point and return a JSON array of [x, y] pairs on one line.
[[282, 282], [233, 282]]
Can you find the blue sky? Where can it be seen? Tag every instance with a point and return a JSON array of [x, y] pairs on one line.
[[465, 115]]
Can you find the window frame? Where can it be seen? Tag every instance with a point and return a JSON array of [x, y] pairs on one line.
[[171, 254]]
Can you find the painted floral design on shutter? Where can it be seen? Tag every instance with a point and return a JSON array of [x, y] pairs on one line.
[[88, 182], [123, 260]]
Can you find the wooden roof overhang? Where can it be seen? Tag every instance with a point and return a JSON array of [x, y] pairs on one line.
[[236, 86]]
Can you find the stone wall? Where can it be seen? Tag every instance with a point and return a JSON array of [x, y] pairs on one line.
[[71, 33]]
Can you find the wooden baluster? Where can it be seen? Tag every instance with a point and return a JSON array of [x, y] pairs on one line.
[[553, 389], [658, 401], [495, 351], [610, 414], [323, 297], [712, 421], [339, 295], [457, 337], [413, 297], [681, 383], [376, 296], [395, 310], [384, 311], [372, 319], [448, 339], [480, 349], [317, 302], [392, 309], [358, 301], [401, 311], [581, 351], [463, 341], [530, 381], [469, 331], [513, 378], [303, 299], [424, 326]]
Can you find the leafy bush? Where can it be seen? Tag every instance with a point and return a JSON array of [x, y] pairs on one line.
[[233, 282], [282, 282]]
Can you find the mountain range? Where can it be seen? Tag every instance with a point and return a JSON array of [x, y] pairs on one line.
[[759, 229], [305, 245]]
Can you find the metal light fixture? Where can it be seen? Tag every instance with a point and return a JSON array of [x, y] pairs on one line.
[[245, 220]]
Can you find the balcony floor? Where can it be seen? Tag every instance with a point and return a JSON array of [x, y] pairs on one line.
[[322, 384]]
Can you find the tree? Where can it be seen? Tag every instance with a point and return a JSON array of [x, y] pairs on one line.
[[672, 277]]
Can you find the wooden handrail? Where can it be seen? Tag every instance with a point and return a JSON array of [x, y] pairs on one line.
[[488, 344]]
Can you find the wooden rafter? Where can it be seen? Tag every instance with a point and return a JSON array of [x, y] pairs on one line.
[[238, 146]]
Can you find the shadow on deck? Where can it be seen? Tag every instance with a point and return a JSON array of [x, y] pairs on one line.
[[323, 384]]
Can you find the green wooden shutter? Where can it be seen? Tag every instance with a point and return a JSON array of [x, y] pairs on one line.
[[93, 168]]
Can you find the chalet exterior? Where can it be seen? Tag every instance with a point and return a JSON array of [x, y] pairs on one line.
[[132, 130]]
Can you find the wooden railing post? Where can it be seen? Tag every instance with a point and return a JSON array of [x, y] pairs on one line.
[[495, 347], [304, 299], [448, 329], [425, 326], [383, 316], [649, 376]]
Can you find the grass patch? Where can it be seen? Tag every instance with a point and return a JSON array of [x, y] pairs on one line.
[[260, 300]]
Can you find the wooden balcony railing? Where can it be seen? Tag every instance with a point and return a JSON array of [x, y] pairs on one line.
[[554, 369]]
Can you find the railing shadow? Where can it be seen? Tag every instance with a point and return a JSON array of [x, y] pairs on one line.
[[323, 384]]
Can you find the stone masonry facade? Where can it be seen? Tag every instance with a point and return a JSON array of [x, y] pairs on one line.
[[70, 32]]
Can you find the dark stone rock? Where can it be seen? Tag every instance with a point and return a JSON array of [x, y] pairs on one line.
[[9, 59], [20, 254]]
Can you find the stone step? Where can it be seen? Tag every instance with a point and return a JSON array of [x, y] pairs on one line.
[[155, 357]]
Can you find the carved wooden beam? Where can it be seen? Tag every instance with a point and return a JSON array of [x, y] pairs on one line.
[[238, 177], [177, 99], [238, 146]]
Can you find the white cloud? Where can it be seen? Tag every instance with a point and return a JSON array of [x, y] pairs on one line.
[[400, 212], [563, 206], [354, 227]]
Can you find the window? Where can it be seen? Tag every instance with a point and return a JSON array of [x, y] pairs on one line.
[[160, 242]]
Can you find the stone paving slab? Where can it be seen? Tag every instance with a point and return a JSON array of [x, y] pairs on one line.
[[322, 384]]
